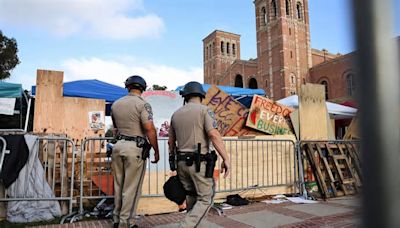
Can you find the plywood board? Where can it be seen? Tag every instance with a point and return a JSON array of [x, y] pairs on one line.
[[48, 116], [270, 117], [76, 110], [352, 130], [229, 113], [55, 114], [313, 114]]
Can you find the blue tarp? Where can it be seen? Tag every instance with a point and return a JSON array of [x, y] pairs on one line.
[[91, 89], [233, 91], [10, 90]]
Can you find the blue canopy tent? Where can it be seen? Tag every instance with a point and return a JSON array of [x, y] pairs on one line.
[[92, 89], [242, 95], [10, 90], [14, 122]]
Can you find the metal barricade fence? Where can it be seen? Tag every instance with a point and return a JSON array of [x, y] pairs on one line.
[[55, 175], [255, 163], [95, 176], [259, 163]]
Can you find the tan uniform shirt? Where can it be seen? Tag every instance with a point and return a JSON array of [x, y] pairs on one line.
[[129, 113], [190, 125]]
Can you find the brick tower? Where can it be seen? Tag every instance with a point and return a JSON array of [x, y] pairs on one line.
[[220, 50], [283, 46]]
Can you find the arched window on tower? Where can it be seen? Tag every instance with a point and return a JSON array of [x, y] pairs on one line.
[[264, 16], [287, 7], [299, 11], [233, 49], [222, 47], [206, 53], [325, 83], [293, 79], [351, 85], [274, 9], [253, 83], [239, 81], [228, 49]]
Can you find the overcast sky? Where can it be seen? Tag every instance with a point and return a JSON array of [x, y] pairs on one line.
[[161, 40]]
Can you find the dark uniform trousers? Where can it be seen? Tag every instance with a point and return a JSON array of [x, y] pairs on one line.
[[198, 206], [129, 170]]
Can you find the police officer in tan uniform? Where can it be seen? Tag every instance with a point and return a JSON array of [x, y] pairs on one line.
[[133, 121], [192, 128]]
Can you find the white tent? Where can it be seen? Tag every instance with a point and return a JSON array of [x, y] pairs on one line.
[[336, 111]]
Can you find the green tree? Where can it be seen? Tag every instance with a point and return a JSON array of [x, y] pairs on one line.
[[157, 87], [8, 55]]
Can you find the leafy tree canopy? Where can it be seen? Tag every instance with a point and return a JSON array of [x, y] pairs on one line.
[[8, 55]]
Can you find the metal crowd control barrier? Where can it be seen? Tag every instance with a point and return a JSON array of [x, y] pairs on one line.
[[255, 163], [54, 153], [96, 180], [259, 163]]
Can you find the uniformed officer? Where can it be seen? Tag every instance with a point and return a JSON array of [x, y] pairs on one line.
[[133, 121], [193, 125]]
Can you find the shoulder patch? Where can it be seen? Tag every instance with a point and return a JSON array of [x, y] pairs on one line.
[[212, 115], [149, 111]]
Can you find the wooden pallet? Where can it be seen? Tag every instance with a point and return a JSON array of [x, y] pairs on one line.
[[336, 168]]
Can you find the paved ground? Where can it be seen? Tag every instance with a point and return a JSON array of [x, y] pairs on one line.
[[339, 212]]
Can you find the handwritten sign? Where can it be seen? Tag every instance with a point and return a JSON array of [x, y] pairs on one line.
[[229, 113], [270, 117]]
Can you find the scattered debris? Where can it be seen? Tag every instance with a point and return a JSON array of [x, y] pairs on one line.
[[282, 199]]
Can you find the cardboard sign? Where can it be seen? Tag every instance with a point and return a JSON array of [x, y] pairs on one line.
[[270, 117], [229, 113]]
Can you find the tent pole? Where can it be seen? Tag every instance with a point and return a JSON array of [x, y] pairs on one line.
[[28, 111]]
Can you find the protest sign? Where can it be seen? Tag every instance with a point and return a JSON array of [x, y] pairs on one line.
[[229, 113], [270, 117]]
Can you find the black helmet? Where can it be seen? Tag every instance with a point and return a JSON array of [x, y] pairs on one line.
[[174, 191], [194, 89], [136, 81]]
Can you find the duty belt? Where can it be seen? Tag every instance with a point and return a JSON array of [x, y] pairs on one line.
[[189, 156], [138, 139], [129, 138]]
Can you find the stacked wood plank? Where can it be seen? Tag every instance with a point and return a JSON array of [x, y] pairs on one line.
[[335, 166]]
